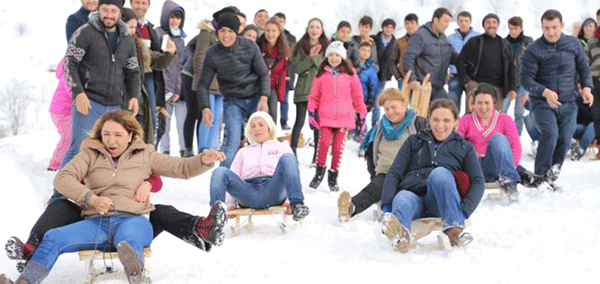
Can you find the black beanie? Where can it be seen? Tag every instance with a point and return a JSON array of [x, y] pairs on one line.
[[490, 15], [118, 3], [229, 20], [218, 14]]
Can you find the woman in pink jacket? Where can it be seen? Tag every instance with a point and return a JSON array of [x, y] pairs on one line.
[[263, 173], [335, 97], [496, 140], [60, 113]]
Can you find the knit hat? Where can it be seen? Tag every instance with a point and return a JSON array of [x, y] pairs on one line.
[[229, 20], [118, 3], [270, 124], [490, 15], [218, 14], [336, 47]]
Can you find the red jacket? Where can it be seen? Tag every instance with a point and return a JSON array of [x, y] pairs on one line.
[[337, 98], [277, 71]]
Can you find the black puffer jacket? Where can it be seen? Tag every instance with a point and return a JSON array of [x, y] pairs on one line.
[[91, 67], [417, 158]]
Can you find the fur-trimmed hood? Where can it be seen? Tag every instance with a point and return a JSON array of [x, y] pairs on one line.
[[206, 25]]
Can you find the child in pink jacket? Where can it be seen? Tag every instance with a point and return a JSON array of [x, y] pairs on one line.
[[60, 113], [335, 97]]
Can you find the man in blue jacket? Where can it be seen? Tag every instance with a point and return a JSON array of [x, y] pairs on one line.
[[458, 40], [548, 70], [80, 17]]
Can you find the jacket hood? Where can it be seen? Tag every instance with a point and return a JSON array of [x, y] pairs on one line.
[[427, 26], [169, 7], [96, 23], [206, 25]]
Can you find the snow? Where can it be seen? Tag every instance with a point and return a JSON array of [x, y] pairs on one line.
[[547, 237]]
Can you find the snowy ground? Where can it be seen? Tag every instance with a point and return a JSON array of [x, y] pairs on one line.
[[546, 237]]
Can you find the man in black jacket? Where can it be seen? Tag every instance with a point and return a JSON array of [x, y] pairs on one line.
[[101, 66], [387, 56], [487, 59], [243, 81]]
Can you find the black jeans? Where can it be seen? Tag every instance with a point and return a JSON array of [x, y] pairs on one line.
[[300, 118], [194, 113], [370, 195], [61, 212], [272, 102], [596, 107]]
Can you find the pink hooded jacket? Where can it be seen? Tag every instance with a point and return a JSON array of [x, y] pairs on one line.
[[61, 101], [336, 98]]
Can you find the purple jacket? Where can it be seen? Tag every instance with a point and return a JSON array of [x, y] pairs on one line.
[[61, 101], [172, 75]]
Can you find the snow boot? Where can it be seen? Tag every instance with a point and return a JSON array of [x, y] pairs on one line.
[[551, 177], [345, 207], [458, 237], [300, 211], [509, 187], [529, 179], [131, 263], [332, 180], [188, 152], [210, 228], [576, 151], [319, 174], [396, 232], [17, 250]]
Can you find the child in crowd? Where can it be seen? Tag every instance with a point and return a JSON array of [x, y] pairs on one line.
[[343, 34], [335, 96], [365, 25], [171, 23], [368, 80], [387, 53], [251, 32], [60, 113]]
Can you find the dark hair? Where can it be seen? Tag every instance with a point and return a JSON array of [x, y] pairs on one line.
[[306, 38], [280, 15], [249, 28], [366, 20], [241, 15], [122, 117], [411, 17], [127, 15], [516, 21], [465, 14], [343, 24], [550, 15], [485, 88], [344, 67], [234, 8], [598, 13], [365, 43], [388, 22], [261, 10], [439, 12], [283, 48], [442, 103], [587, 21], [177, 14]]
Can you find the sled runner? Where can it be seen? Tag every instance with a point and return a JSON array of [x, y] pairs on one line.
[[424, 226], [273, 211], [420, 97], [88, 256]]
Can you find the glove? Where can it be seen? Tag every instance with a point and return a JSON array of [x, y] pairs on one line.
[[462, 183], [360, 124], [386, 208], [369, 104], [313, 119]]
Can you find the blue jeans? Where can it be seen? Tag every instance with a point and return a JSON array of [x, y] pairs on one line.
[[285, 182], [100, 232], [208, 137], [498, 160], [149, 85], [455, 90], [556, 127], [519, 109], [235, 113], [442, 200], [284, 107], [585, 134], [531, 126], [438, 94]]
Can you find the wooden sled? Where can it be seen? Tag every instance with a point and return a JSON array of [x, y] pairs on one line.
[[88, 256], [419, 101], [273, 211], [288, 137]]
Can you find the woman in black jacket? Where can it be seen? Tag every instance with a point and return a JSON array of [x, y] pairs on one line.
[[421, 182]]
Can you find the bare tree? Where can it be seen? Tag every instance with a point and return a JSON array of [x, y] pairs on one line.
[[455, 6], [538, 7], [502, 8], [15, 99]]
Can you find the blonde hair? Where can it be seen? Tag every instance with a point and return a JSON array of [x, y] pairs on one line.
[[391, 94], [122, 117], [270, 124]]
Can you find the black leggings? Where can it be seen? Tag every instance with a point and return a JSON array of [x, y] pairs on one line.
[[596, 107], [273, 99], [300, 118], [369, 195], [194, 114], [61, 212]]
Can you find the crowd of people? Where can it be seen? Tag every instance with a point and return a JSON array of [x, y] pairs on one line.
[[121, 80]]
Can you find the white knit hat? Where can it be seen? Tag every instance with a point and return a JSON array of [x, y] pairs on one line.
[[270, 124], [336, 47]]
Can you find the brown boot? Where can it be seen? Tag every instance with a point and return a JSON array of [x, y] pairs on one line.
[[458, 237], [396, 232], [345, 207]]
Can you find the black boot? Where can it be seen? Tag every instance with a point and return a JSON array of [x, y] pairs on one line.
[[510, 188], [188, 152], [332, 180], [529, 179], [320, 173]]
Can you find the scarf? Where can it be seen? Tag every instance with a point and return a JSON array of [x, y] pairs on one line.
[[389, 132]]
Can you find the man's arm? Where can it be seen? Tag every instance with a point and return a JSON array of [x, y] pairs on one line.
[[75, 53], [413, 50], [131, 72], [206, 77], [260, 68], [529, 69]]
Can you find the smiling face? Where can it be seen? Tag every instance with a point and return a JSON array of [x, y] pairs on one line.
[[395, 110], [115, 138], [314, 30], [411, 27], [490, 26], [90, 5], [464, 24], [140, 7], [132, 26], [364, 52], [259, 130], [388, 30], [109, 15], [334, 60], [251, 34], [226, 36], [272, 33], [484, 105], [174, 22], [552, 29], [343, 34], [260, 19], [442, 123], [588, 30]]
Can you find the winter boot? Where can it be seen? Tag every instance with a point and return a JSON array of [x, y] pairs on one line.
[[131, 263], [458, 237], [332, 180], [320, 173], [17, 250], [345, 207], [210, 228], [188, 152], [300, 211], [510, 188], [576, 151], [396, 232], [529, 179]]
